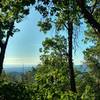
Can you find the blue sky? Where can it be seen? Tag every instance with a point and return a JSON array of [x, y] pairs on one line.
[[23, 47]]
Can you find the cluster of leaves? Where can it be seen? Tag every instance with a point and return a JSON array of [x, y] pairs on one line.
[[92, 58], [59, 13], [54, 50], [14, 91], [51, 82], [12, 11], [46, 25]]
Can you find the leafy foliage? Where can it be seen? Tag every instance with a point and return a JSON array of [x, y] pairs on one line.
[[50, 79], [92, 58], [51, 82], [54, 50], [88, 94], [17, 91], [13, 12], [57, 13]]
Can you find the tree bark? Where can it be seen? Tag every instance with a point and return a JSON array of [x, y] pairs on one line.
[[89, 16], [4, 46], [2, 54], [70, 60]]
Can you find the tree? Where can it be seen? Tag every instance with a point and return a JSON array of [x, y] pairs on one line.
[[92, 55], [88, 9], [67, 13], [54, 51], [92, 58], [51, 81], [9, 15], [64, 15]]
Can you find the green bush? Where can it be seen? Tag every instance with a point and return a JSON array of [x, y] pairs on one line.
[[14, 91]]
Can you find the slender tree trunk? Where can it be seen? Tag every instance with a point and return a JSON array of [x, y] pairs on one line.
[[4, 46], [2, 54], [87, 15], [70, 60]]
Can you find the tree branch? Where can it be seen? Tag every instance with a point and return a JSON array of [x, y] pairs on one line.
[[94, 7], [89, 17], [65, 26]]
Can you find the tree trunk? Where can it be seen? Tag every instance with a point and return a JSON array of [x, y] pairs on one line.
[[3, 46], [70, 60], [89, 16], [2, 54]]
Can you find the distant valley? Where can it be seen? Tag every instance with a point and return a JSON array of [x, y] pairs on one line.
[[26, 68], [18, 68]]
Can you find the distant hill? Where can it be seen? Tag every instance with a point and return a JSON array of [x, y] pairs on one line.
[[18, 68], [82, 68], [22, 69]]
